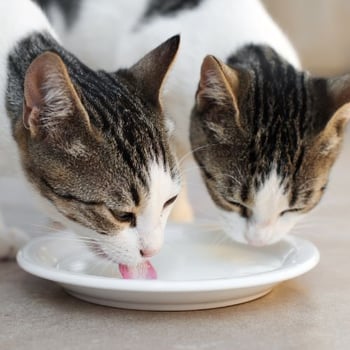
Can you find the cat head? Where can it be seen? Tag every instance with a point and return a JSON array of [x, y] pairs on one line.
[[95, 146], [265, 137]]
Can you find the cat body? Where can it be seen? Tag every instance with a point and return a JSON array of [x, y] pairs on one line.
[[91, 145], [264, 133], [123, 30]]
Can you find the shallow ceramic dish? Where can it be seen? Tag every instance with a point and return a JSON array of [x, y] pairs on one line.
[[198, 268]]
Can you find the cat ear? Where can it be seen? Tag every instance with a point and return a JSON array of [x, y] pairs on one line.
[[219, 84], [50, 99], [152, 69], [333, 98], [339, 92]]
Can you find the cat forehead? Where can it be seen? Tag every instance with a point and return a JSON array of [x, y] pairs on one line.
[[106, 94], [159, 181], [128, 125], [277, 96], [162, 186]]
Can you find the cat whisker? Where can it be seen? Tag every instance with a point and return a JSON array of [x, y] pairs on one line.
[[220, 239], [233, 178], [48, 228], [186, 155], [191, 169]]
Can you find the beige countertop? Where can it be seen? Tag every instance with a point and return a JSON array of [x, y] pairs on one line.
[[309, 312]]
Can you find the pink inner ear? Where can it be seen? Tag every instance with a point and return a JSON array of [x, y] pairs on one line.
[[37, 76], [35, 79], [47, 92], [30, 116]]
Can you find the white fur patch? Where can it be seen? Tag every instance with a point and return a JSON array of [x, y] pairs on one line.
[[269, 203], [18, 19], [152, 220], [266, 225]]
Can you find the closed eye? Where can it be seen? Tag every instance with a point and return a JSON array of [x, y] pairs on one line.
[[244, 211], [293, 210], [237, 204], [169, 202], [124, 216]]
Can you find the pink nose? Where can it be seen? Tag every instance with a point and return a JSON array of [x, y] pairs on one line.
[[147, 253], [256, 242]]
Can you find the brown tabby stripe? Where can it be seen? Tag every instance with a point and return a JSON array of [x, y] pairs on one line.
[[67, 197], [114, 105], [275, 111]]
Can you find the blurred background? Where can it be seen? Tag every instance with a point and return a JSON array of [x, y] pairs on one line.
[[319, 30]]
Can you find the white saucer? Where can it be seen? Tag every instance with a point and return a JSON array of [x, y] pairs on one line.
[[198, 268]]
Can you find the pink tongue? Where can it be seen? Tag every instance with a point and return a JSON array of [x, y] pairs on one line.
[[144, 270]]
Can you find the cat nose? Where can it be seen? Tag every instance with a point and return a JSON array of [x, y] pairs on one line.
[[259, 235], [147, 253], [256, 242]]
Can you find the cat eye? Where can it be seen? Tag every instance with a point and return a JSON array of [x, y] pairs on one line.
[[169, 202], [244, 211], [294, 210], [124, 216], [237, 204]]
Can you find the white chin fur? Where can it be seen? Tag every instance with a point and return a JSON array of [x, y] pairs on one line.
[[241, 231]]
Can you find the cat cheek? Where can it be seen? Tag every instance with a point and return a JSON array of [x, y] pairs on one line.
[[289, 221], [124, 247], [165, 214]]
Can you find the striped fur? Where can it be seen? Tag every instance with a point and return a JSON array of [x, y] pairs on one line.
[[93, 145], [262, 125], [265, 144]]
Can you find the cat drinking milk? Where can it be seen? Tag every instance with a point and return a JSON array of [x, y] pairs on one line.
[[264, 133], [93, 146]]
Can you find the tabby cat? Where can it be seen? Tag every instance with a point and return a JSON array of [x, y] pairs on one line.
[[92, 145], [264, 133]]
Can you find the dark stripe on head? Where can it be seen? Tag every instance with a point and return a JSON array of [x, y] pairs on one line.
[[169, 7], [307, 195], [294, 196], [244, 192], [274, 108], [67, 196], [135, 195], [129, 125]]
